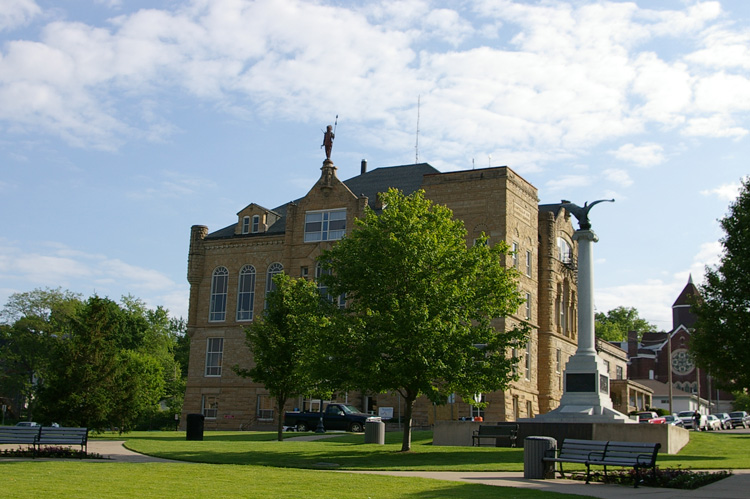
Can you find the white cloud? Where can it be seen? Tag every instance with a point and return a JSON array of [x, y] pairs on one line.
[[618, 176], [725, 192], [567, 182], [56, 265], [17, 13], [645, 155], [573, 75]]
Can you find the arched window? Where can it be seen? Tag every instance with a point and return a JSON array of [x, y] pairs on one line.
[[256, 223], [219, 281], [273, 269], [245, 225], [246, 293]]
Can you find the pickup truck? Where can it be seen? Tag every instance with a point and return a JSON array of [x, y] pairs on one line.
[[739, 418], [335, 417]]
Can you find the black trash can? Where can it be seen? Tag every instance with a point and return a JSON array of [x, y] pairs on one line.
[[534, 449], [194, 427]]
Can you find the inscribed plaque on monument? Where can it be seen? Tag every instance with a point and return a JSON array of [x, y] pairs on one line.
[[581, 382]]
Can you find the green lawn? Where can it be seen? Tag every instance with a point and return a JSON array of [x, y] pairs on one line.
[[253, 464], [706, 450], [154, 480]]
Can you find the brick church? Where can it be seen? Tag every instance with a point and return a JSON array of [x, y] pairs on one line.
[[230, 271]]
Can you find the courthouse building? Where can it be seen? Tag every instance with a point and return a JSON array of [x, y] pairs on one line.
[[230, 271]]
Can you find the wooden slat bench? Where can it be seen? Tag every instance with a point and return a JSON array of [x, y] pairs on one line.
[[499, 433], [55, 435], [637, 455], [21, 435]]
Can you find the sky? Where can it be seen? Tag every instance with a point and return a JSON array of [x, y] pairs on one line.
[[124, 123]]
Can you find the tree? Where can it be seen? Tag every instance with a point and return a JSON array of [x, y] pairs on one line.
[[721, 341], [282, 338], [27, 340], [615, 324], [422, 305]]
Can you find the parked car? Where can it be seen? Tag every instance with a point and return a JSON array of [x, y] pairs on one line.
[[646, 416], [726, 421], [671, 419], [712, 422], [335, 417], [688, 420], [739, 418], [27, 423]]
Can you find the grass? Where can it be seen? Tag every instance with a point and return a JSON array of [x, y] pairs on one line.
[[253, 464], [156, 480], [705, 451]]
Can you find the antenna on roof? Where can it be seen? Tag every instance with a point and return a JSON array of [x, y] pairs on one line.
[[416, 146]]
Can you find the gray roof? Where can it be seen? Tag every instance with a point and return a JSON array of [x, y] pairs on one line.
[[407, 178]]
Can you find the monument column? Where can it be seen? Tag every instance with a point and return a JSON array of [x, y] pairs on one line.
[[586, 380]]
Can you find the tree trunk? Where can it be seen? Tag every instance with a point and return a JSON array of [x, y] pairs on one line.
[[280, 403], [409, 408]]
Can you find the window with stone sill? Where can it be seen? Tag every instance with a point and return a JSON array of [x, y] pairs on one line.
[[246, 293], [214, 354], [218, 303], [245, 225], [256, 223], [327, 225]]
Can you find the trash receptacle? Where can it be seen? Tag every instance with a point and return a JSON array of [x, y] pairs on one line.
[[375, 432], [534, 449], [194, 427]]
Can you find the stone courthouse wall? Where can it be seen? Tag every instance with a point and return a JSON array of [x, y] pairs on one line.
[[494, 201]]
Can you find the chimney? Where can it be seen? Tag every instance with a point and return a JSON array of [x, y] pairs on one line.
[[364, 167]]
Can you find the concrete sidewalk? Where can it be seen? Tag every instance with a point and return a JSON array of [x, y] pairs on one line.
[[736, 486]]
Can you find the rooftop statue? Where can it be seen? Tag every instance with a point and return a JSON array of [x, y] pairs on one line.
[[582, 213], [328, 137]]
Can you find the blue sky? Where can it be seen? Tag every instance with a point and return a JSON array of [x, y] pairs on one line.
[[123, 123]]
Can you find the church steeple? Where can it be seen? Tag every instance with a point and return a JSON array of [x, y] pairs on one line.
[[681, 312]]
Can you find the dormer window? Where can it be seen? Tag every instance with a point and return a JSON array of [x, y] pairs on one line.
[[256, 223], [246, 225]]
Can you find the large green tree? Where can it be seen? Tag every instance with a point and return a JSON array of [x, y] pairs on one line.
[[284, 339], [721, 341], [615, 324], [27, 341], [422, 305]]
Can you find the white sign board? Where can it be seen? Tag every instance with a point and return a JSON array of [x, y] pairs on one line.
[[385, 412]]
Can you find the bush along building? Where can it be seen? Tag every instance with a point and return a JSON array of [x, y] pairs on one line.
[[230, 271], [655, 354]]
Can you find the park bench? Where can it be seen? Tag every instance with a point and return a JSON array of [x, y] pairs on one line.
[[56, 435], [499, 433], [20, 435], [637, 455]]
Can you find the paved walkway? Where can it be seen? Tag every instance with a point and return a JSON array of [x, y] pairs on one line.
[[736, 486]]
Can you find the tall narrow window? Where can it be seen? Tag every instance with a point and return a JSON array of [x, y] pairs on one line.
[[219, 281], [256, 223], [527, 312], [245, 225], [214, 353], [564, 252], [514, 255], [528, 360], [528, 263], [319, 271], [558, 360], [529, 409], [273, 269], [246, 293], [325, 225]]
